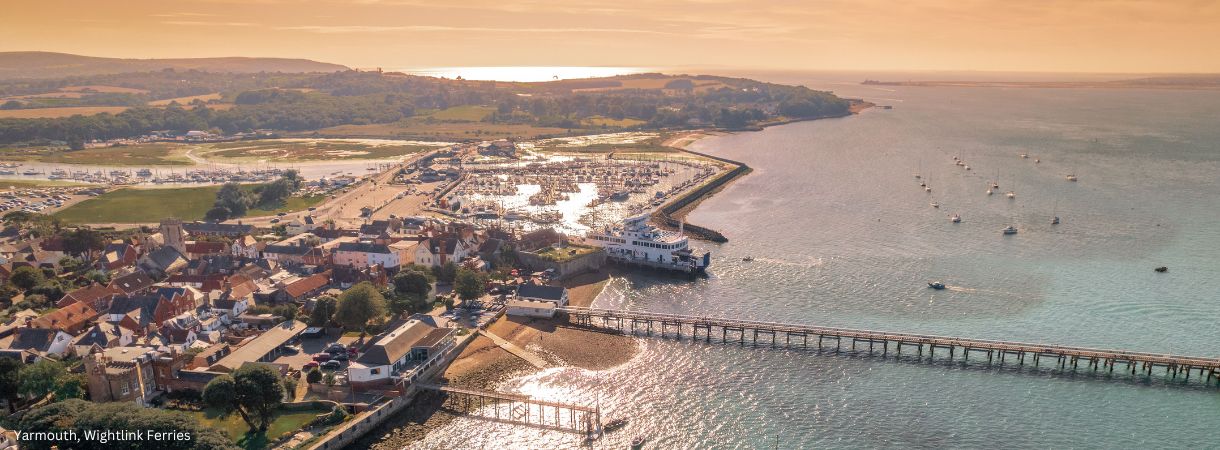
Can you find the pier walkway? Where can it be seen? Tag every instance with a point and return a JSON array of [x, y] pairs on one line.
[[519, 352], [802, 336], [522, 409]]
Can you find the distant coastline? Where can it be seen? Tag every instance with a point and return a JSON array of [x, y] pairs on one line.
[[1183, 82]]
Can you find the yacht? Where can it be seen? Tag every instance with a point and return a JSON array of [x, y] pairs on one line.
[[8, 172], [634, 241], [1009, 230]]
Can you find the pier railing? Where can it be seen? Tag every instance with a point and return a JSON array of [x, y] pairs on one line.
[[701, 327]]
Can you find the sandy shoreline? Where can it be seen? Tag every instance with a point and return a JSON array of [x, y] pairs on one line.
[[483, 365]]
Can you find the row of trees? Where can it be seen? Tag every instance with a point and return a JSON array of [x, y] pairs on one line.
[[234, 200], [363, 305], [38, 380], [84, 417]]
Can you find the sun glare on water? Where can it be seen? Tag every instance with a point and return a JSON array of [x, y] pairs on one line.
[[524, 73]]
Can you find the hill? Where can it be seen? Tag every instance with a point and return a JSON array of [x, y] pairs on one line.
[[17, 65]]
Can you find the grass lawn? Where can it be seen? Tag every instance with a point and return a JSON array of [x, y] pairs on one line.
[[236, 428], [159, 154], [572, 251], [471, 113], [152, 205]]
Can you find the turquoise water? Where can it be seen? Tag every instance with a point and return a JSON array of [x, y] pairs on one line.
[[843, 235]]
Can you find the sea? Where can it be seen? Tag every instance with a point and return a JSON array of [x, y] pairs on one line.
[[841, 234]]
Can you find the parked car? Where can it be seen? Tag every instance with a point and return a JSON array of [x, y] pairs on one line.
[[335, 348], [321, 357], [309, 365], [276, 220], [332, 365], [282, 214], [292, 349], [339, 357]]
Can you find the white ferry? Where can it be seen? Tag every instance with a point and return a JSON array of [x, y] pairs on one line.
[[634, 241]]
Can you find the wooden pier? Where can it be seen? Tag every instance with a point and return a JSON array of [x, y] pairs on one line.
[[772, 334], [522, 409]]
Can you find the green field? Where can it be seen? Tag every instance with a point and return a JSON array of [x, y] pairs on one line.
[[159, 154], [22, 184], [152, 205], [305, 150], [469, 113], [236, 428], [599, 121]]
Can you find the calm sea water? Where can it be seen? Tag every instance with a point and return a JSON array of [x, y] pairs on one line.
[[843, 235]]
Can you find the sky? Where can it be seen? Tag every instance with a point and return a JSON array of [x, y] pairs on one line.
[[1096, 36]]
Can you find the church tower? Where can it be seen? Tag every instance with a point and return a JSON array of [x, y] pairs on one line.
[[171, 232]]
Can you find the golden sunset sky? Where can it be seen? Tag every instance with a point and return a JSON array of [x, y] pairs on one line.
[[1000, 35]]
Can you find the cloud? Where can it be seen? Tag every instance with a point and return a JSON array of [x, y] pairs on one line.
[[196, 23], [342, 29]]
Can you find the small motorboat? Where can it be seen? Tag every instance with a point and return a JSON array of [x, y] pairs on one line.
[[989, 192], [927, 189], [1011, 194], [1024, 156], [1009, 230], [936, 285], [935, 205], [955, 218], [748, 259], [1037, 160], [1055, 220], [1071, 177], [1161, 269], [967, 167], [614, 424]]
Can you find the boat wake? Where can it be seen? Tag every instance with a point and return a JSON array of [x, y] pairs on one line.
[[813, 262]]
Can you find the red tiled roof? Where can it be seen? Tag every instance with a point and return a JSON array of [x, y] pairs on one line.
[[68, 317], [307, 284]]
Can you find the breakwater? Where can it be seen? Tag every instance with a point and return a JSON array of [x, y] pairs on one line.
[[672, 214]]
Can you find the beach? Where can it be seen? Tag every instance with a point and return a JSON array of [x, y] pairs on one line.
[[484, 365]]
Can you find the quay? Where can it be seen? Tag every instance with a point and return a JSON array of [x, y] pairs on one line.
[[522, 409], [773, 334]]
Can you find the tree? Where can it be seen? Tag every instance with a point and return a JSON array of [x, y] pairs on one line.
[[79, 415], [221, 393], [10, 380], [26, 277], [259, 391], [231, 196], [46, 377], [323, 311], [445, 273], [217, 214], [288, 312], [83, 241], [254, 391], [469, 284], [360, 305], [412, 282], [314, 375]]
